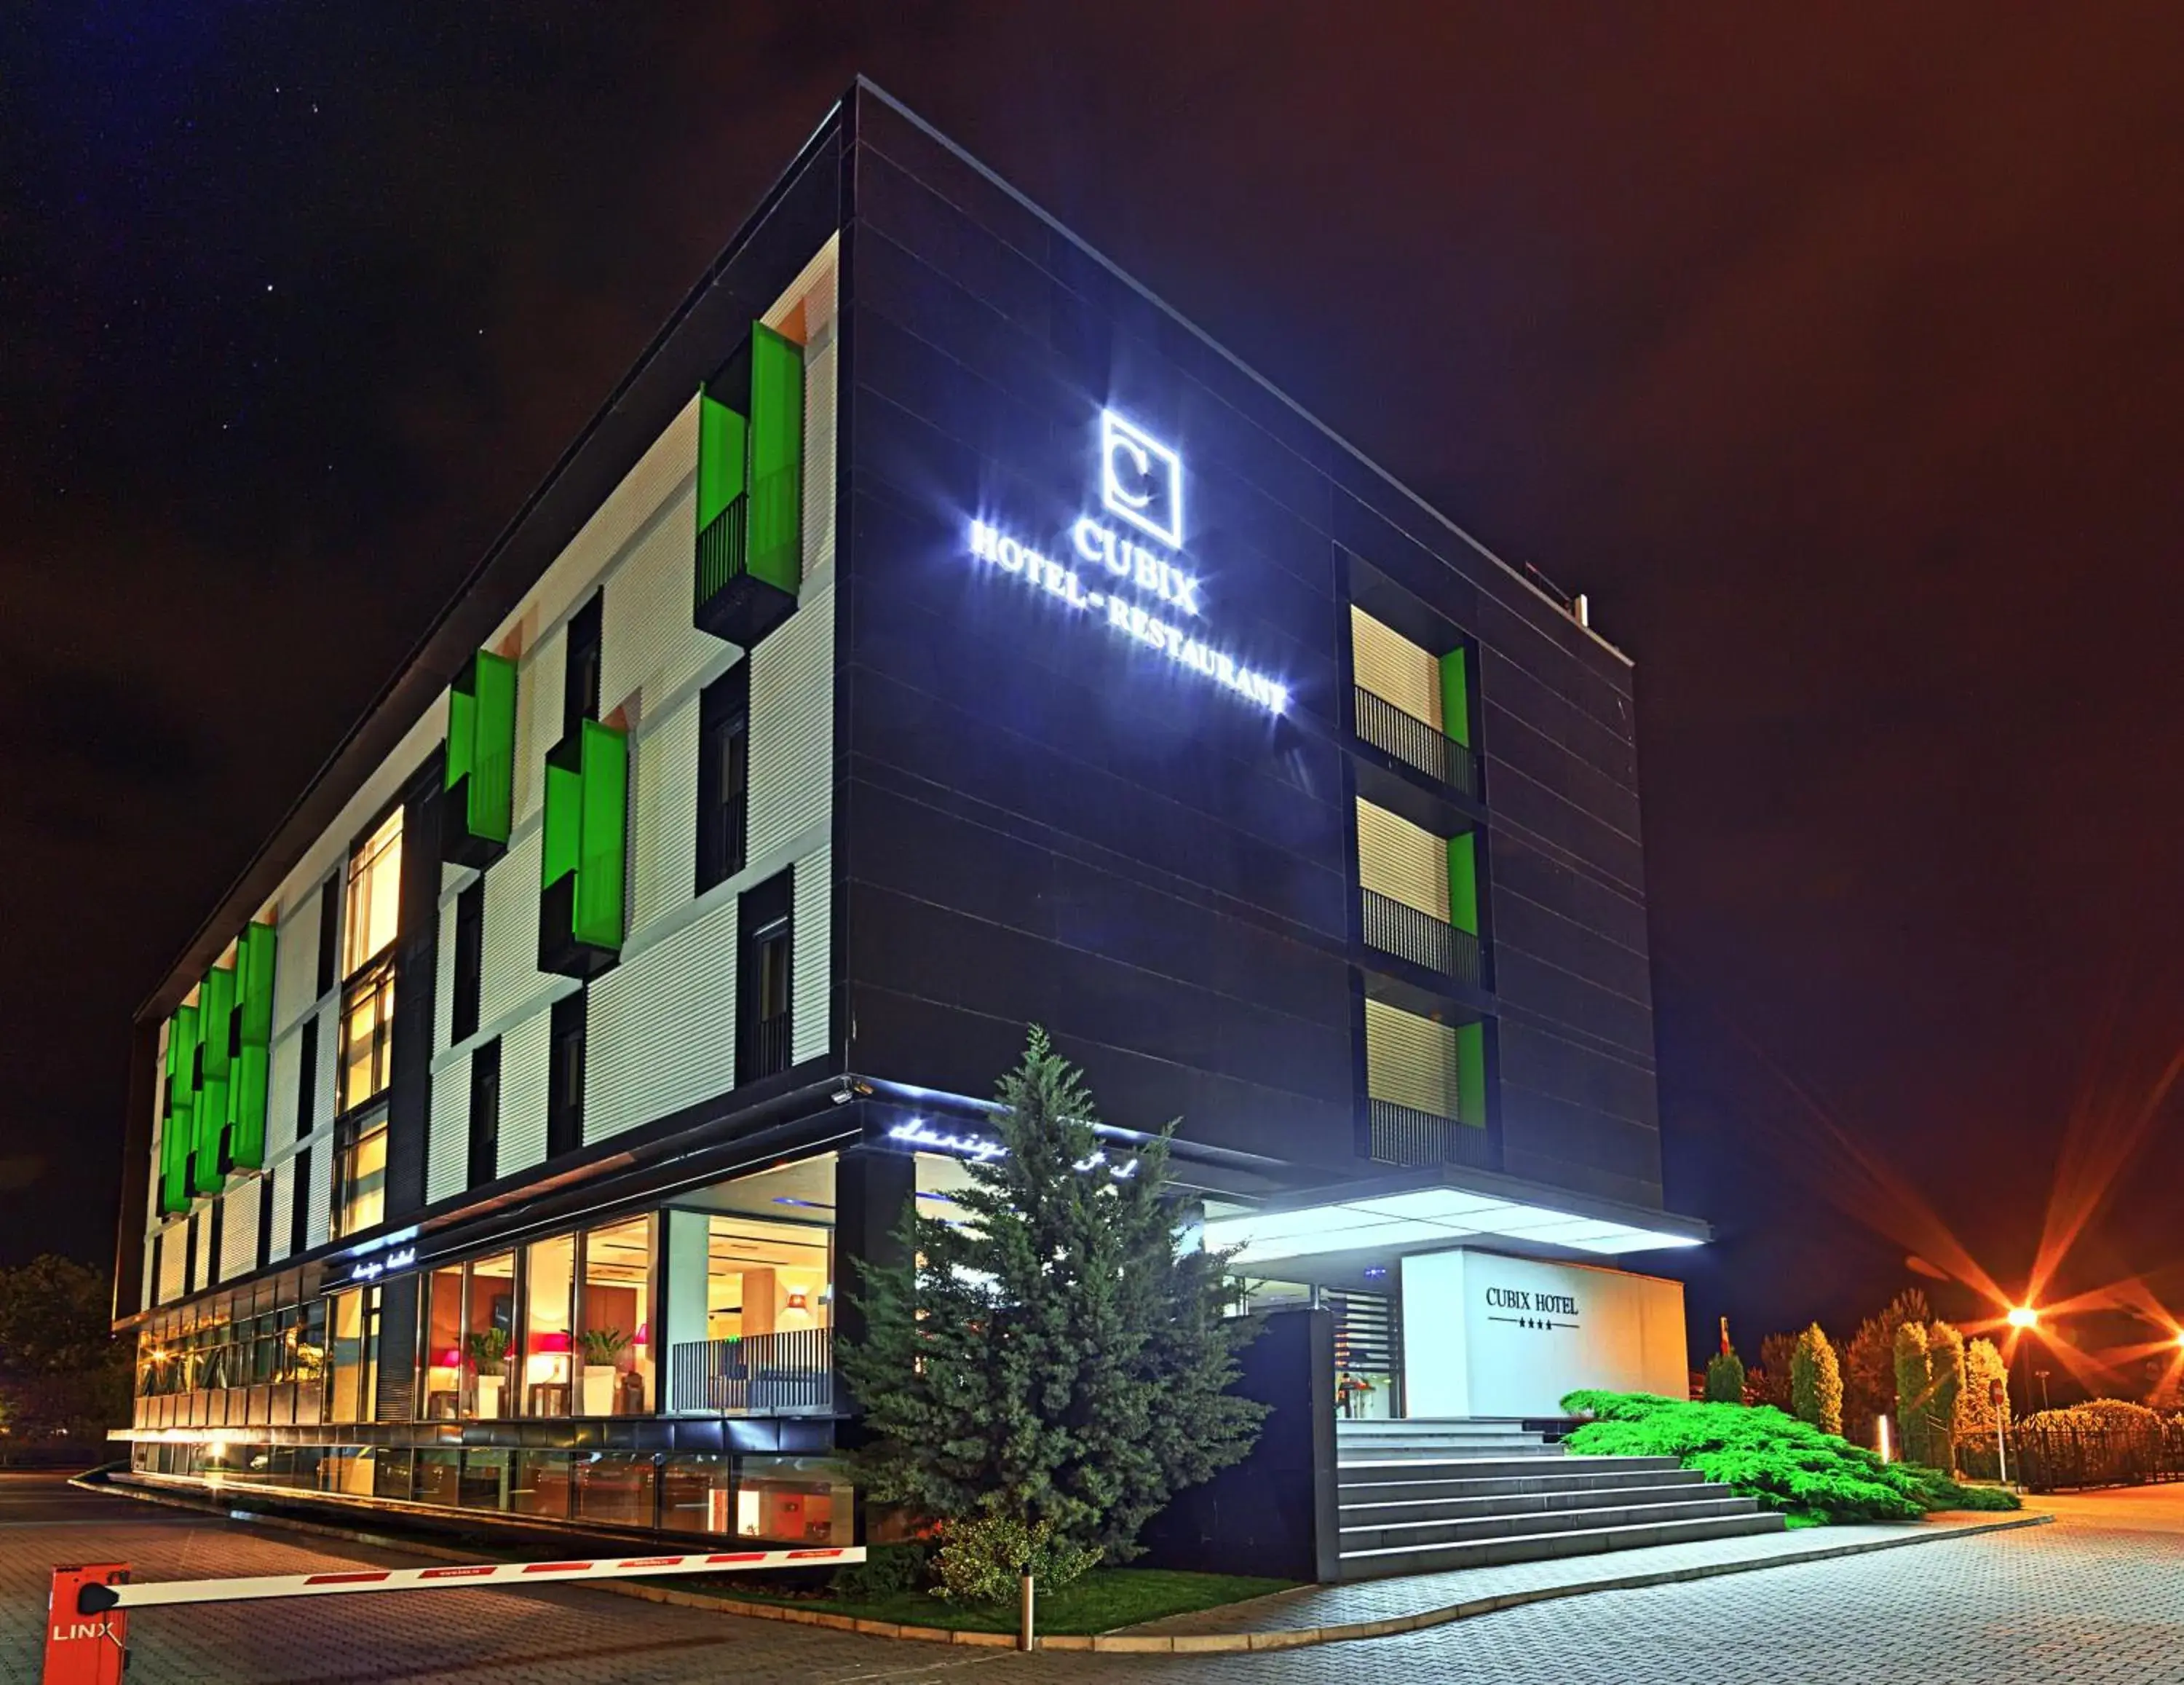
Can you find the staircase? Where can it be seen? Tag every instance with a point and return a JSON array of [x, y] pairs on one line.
[[1418, 1497]]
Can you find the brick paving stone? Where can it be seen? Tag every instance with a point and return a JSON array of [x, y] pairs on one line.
[[2096, 1600], [1418, 1594]]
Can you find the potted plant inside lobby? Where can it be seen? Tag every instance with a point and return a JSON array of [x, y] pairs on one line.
[[602, 1347], [487, 1349]]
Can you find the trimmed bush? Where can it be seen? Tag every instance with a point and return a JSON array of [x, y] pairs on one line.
[[1724, 1379], [1816, 1388], [1786, 1464], [982, 1559], [2095, 1413], [1945, 1368]]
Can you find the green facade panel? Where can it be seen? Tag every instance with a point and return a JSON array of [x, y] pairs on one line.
[[1455, 695], [776, 460], [723, 439], [583, 870], [215, 1067], [250, 1068], [179, 1137], [1471, 1074], [481, 770], [1463, 881]]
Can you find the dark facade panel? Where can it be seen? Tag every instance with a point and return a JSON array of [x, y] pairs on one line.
[[1523, 803], [1524, 926], [1508, 691], [1615, 1085], [1522, 871], [1527, 985], [1516, 747]]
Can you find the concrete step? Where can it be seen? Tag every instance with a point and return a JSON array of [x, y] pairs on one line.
[[1370, 1565], [1395, 1488], [1399, 1504], [1410, 1471], [1642, 1512]]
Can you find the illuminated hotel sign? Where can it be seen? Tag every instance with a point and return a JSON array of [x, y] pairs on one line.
[[1150, 596], [372, 1268], [982, 1149]]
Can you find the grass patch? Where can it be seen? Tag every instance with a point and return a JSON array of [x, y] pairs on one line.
[[1099, 1602]]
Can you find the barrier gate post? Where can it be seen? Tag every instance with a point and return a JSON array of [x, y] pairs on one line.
[[85, 1649]]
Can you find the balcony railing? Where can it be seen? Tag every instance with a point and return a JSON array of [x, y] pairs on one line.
[[1403, 1134], [1398, 928], [1416, 743], [790, 1373]]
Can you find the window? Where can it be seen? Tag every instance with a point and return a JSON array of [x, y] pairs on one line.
[[307, 1076], [614, 1321], [723, 775], [375, 896], [485, 1114], [328, 935], [299, 1203], [367, 1061], [355, 1356], [470, 961], [565, 1077], [763, 980], [360, 1178], [264, 1225], [489, 1345], [580, 676], [549, 1342]]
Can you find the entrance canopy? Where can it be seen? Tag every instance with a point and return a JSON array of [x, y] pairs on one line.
[[1432, 1210]]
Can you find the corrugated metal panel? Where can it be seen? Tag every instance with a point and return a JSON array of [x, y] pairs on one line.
[[647, 639], [202, 1272], [443, 992], [1410, 1060], [523, 1092], [819, 432], [316, 1168], [538, 721], [447, 1156], [172, 1257], [280, 1091], [810, 950], [238, 1229], [1391, 666], [664, 815], [1398, 859], [296, 963], [661, 1028], [511, 978], [322, 1110], [792, 726], [280, 1183]]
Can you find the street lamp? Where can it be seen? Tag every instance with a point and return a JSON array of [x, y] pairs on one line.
[[2024, 1320], [2024, 1316]]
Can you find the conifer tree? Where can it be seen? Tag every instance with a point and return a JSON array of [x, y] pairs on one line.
[[1816, 1389], [1914, 1390], [1945, 1368], [1053, 1357]]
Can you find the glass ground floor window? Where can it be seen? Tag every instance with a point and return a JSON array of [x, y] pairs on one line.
[[769, 1499]]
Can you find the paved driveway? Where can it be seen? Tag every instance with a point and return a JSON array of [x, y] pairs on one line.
[[2097, 1598]]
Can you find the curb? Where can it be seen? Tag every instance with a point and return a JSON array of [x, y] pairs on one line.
[[1123, 1643]]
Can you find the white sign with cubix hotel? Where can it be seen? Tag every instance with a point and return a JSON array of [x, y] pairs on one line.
[[1488, 1336]]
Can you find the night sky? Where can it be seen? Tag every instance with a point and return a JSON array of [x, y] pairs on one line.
[[1836, 357]]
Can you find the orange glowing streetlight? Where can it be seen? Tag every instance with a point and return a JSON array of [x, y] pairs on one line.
[[2024, 1316]]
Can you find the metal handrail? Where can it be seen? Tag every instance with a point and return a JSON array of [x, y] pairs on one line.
[[1398, 928], [789, 1373], [1404, 1135], [1416, 742]]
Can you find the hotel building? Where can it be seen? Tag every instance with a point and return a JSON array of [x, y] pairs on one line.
[[933, 634]]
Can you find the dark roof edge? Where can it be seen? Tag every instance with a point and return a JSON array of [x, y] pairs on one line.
[[1228, 356], [238, 900]]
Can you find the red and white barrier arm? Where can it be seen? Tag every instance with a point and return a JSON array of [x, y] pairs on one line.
[[96, 1599]]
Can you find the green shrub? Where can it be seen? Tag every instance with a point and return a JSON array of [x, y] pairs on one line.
[[1724, 1379], [1816, 1388], [982, 1557], [887, 1570], [1945, 1350], [1787, 1464]]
